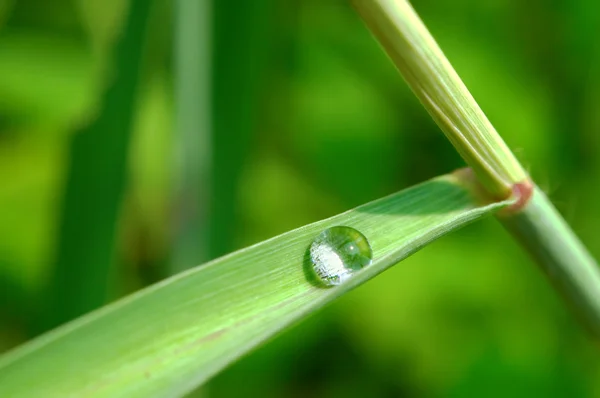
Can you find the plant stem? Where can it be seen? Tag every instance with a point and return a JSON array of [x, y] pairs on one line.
[[542, 231], [533, 221], [433, 80]]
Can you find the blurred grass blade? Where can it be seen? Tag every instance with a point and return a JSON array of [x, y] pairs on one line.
[[171, 337], [220, 72], [193, 21], [95, 182], [242, 37]]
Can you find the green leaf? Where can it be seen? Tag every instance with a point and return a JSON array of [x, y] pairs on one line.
[[169, 338]]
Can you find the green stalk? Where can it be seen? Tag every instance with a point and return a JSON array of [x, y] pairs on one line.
[[433, 80], [560, 254], [533, 221]]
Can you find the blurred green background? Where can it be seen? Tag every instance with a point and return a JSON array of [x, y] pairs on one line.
[[136, 141]]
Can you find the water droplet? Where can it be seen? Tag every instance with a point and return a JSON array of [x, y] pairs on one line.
[[337, 253]]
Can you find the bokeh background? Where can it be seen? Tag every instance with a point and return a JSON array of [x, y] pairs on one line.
[[121, 164]]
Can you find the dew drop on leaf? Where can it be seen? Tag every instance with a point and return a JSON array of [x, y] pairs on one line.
[[337, 253]]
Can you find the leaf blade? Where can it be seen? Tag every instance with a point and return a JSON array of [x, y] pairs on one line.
[[170, 337]]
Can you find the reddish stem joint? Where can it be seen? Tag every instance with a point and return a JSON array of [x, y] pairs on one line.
[[522, 193]]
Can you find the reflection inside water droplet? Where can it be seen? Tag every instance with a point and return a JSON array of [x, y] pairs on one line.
[[337, 253]]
